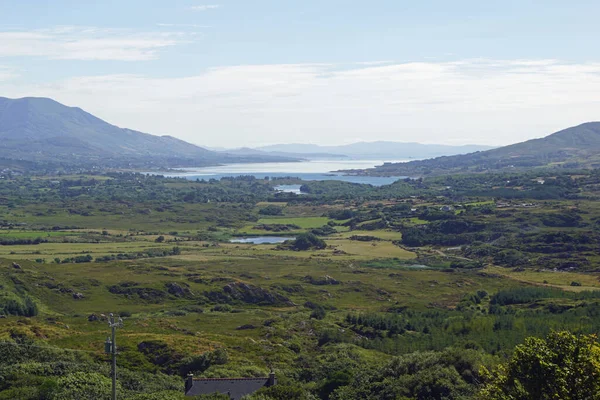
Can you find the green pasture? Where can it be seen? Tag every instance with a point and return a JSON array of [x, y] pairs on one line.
[[17, 234]]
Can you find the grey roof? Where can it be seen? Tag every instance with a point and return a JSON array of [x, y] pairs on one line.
[[235, 387]]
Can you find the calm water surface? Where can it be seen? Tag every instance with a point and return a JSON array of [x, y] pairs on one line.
[[289, 189], [305, 170], [261, 240]]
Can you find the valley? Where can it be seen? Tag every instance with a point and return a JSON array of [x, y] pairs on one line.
[[477, 262]]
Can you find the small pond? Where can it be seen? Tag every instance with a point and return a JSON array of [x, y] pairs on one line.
[[261, 240], [289, 189]]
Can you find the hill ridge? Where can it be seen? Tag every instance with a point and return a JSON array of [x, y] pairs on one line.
[[41, 129], [574, 147]]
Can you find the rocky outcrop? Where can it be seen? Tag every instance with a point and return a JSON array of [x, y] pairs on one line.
[[130, 290], [179, 289], [251, 294], [326, 280]]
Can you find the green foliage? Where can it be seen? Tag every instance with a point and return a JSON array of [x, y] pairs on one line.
[[271, 210], [562, 220], [325, 230], [281, 392], [561, 366], [83, 386], [307, 241], [423, 375], [198, 364], [20, 306], [149, 253], [214, 396], [418, 315], [162, 395], [446, 233], [318, 313], [341, 214]]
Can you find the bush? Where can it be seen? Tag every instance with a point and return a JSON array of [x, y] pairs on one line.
[[318, 313], [221, 308], [271, 210], [307, 241]]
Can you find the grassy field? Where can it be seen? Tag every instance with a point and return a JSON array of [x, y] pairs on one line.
[[359, 289], [15, 234], [558, 279], [258, 301], [303, 223], [381, 234]]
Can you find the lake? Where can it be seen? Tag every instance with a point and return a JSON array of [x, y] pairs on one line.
[[289, 189], [261, 240], [320, 170]]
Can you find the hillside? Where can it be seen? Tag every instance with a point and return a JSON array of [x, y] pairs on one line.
[[43, 130], [574, 147]]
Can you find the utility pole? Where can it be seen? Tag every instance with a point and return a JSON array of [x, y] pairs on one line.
[[110, 347]]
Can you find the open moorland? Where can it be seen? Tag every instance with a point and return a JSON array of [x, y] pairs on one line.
[[425, 281]]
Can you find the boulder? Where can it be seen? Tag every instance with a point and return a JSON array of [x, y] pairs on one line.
[[78, 296]]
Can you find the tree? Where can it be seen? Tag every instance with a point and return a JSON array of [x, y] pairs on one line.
[[307, 241], [160, 239], [562, 366]]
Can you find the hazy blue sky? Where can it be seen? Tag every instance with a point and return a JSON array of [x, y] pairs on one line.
[[250, 72]]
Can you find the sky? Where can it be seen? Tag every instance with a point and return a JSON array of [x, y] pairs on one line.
[[233, 73]]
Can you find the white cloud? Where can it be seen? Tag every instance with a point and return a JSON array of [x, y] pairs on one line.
[[469, 101], [165, 25], [87, 43], [205, 7], [7, 73]]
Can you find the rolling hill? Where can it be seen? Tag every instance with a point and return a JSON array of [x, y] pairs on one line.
[[43, 130], [574, 147]]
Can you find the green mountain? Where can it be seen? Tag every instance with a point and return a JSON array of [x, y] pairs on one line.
[[575, 147], [43, 130]]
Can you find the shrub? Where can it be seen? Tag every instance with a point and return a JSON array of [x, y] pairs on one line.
[[307, 241], [271, 210]]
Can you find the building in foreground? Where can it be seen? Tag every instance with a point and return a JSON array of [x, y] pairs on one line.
[[236, 388]]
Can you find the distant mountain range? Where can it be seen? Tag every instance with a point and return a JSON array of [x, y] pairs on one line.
[[380, 150], [43, 130], [574, 147], [40, 130], [244, 151]]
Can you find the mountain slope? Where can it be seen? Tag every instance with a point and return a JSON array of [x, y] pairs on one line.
[[41, 129], [379, 149], [578, 146]]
